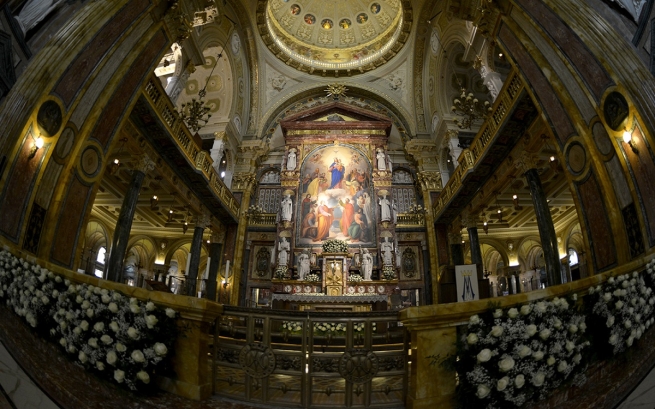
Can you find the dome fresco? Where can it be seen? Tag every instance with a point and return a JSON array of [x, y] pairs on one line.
[[332, 34]]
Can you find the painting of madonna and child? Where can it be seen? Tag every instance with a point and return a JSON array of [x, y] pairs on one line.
[[335, 198]]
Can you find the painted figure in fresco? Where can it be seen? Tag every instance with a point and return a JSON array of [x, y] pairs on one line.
[[306, 206], [368, 209], [347, 216], [325, 217], [283, 252], [358, 228], [295, 9], [287, 208], [345, 24], [375, 8], [385, 209], [386, 248], [303, 265], [308, 226], [337, 169], [367, 264]]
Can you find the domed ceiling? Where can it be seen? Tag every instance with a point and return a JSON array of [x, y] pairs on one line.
[[332, 35]]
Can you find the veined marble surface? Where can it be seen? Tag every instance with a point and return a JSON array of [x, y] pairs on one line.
[[20, 389], [643, 397]]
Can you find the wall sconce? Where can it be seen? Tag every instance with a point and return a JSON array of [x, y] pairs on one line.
[[627, 138], [500, 215], [485, 227], [38, 144], [170, 216], [113, 168], [153, 202], [515, 200], [185, 227]]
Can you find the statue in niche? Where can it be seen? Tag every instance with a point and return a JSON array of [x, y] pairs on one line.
[[286, 208], [385, 209], [382, 159], [386, 248], [283, 252], [303, 265], [291, 159], [367, 264]]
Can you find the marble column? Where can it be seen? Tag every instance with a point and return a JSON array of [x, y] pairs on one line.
[[456, 248], [196, 246], [472, 229], [215, 249], [242, 282], [526, 163], [427, 277], [124, 222]]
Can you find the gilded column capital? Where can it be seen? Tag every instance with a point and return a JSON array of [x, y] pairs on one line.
[[204, 220], [469, 220], [452, 133], [455, 238], [144, 164], [177, 22], [243, 181], [525, 162], [430, 180], [218, 237]]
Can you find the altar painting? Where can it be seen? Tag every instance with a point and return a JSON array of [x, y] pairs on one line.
[[336, 198]]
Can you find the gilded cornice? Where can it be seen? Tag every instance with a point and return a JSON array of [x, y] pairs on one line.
[[429, 180], [243, 181]]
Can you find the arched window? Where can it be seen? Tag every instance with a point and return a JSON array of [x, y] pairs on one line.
[[573, 257], [100, 262]]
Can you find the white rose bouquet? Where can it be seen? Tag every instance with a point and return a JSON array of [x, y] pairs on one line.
[[509, 357], [335, 246], [122, 339]]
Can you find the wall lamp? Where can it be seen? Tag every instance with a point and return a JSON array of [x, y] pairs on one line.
[[153, 202], [38, 144], [627, 138]]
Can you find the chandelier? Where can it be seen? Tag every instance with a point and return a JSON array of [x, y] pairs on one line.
[[469, 109], [193, 113]]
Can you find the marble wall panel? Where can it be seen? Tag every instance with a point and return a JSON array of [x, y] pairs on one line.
[[120, 100], [537, 80], [69, 222], [590, 69], [18, 188], [107, 71], [441, 232], [84, 64], [642, 170], [601, 238]]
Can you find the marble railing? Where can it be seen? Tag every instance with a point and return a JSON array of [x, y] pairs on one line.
[[156, 96], [433, 333], [470, 157]]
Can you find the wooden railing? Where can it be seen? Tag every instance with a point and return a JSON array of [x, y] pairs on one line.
[[470, 157], [262, 220], [158, 99], [287, 358]]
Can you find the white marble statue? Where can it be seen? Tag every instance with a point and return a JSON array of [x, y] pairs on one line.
[[385, 209], [382, 160], [367, 264], [303, 265], [291, 159], [287, 208], [283, 252], [386, 248]]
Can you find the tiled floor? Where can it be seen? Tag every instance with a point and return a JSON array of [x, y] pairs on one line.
[[643, 397]]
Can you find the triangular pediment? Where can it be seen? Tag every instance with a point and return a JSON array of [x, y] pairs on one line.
[[336, 116]]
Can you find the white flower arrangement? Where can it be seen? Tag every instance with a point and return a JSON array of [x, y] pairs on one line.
[[333, 328], [624, 307], [335, 246], [280, 272], [292, 326], [388, 273], [355, 278], [107, 333], [314, 278], [509, 357]]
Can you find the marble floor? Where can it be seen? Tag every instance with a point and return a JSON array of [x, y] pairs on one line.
[[643, 396]]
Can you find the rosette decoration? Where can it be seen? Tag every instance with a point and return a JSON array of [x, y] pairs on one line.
[[335, 246], [510, 357], [119, 338]]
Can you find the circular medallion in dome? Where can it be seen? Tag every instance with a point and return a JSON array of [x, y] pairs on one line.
[[303, 33]]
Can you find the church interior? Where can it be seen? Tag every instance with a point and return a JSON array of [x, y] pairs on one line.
[[303, 203]]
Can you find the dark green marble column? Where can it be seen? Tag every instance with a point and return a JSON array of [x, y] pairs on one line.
[[196, 247], [456, 249], [124, 222], [476, 253], [546, 227]]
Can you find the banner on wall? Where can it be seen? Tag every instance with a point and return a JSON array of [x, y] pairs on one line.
[[466, 277]]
